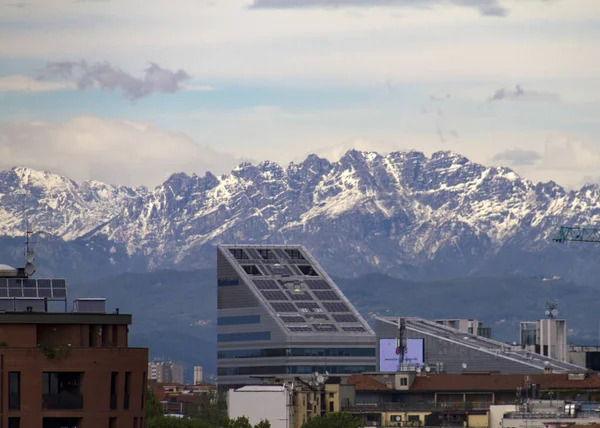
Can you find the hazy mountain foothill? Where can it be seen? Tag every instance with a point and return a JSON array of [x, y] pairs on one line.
[[402, 234]]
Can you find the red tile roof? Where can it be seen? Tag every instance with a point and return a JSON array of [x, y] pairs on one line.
[[500, 382], [366, 383]]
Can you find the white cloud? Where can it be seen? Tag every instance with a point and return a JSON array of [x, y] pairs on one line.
[[19, 83], [112, 151]]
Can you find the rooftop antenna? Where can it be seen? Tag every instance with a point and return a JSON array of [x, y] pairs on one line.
[[29, 256], [552, 309]]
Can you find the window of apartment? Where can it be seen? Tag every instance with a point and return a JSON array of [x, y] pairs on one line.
[[403, 381], [62, 391], [331, 406], [14, 422], [144, 388], [127, 390], [114, 379], [112, 422], [14, 393], [135, 422]]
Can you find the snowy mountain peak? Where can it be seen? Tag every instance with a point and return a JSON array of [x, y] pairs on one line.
[[399, 213]]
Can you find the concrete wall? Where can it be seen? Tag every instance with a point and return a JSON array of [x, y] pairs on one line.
[[258, 405], [496, 414]]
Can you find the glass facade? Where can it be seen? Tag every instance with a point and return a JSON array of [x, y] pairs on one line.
[[284, 370], [239, 320], [297, 352], [244, 337]]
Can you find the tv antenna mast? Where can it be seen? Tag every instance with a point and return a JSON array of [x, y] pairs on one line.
[[29, 255], [552, 309], [401, 342]]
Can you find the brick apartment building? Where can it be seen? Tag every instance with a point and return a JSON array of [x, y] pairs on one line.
[[65, 369]]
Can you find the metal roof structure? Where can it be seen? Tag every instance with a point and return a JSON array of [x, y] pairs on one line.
[[498, 349], [296, 290]]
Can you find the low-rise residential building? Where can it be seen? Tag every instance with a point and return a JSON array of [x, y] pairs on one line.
[[421, 399]]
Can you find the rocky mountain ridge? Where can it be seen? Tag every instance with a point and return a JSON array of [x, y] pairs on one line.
[[403, 214]]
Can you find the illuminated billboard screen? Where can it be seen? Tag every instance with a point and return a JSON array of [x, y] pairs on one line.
[[389, 359]]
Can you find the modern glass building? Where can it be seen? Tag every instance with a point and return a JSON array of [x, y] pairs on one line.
[[279, 314]]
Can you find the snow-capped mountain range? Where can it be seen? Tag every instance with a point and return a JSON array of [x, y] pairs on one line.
[[402, 214]]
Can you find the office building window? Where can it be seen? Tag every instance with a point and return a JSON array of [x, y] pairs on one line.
[[112, 422], [14, 392], [239, 320], [62, 391], [127, 390], [14, 422], [244, 337], [297, 352]]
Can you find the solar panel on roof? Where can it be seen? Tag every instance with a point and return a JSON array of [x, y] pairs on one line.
[[353, 328], [3, 283], [266, 253], [336, 307], [317, 317], [265, 284], [44, 292], [327, 295], [318, 284], [325, 327], [44, 283], [59, 292], [307, 305], [300, 328], [344, 318], [283, 307], [299, 296], [3, 292], [294, 254], [274, 295], [14, 283], [15, 292], [292, 319], [59, 283], [29, 283], [238, 253], [29, 292]]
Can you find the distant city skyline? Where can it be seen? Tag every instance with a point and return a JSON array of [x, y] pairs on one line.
[[127, 92]]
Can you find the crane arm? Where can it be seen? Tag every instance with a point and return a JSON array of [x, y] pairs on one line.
[[578, 234]]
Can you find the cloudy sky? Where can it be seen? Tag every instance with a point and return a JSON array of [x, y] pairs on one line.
[[129, 91]]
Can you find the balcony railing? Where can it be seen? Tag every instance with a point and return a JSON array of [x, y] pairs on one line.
[[407, 407], [62, 401]]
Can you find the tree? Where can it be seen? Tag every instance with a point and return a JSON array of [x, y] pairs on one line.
[[154, 407], [173, 422], [241, 422], [263, 424], [211, 408], [333, 420]]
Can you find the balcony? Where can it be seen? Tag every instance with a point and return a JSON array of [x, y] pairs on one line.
[[62, 401]]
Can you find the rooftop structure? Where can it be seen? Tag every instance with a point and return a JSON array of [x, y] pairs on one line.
[[454, 351], [279, 313]]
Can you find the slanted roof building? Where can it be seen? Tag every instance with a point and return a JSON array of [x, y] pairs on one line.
[[280, 314], [455, 351]]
